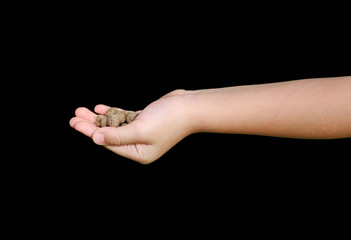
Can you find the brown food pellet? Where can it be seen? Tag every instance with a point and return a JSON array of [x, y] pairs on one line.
[[101, 121], [115, 118], [111, 111], [130, 116]]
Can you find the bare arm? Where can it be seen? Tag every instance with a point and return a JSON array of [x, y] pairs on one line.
[[311, 108]]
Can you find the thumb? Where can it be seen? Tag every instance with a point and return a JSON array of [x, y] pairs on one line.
[[116, 136]]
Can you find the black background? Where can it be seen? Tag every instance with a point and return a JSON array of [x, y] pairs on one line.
[[131, 61], [128, 57]]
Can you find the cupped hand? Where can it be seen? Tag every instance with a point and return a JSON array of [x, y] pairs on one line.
[[158, 127]]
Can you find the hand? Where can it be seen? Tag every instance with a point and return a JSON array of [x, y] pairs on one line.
[[158, 127]]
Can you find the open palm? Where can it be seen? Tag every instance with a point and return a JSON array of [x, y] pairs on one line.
[[157, 128]]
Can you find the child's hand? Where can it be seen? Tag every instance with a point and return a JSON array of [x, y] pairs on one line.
[[157, 128]]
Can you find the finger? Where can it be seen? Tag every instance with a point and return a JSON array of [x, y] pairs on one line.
[[74, 120], [128, 134], [101, 109], [86, 114], [85, 127]]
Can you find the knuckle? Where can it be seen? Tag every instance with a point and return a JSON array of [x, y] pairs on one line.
[[115, 138]]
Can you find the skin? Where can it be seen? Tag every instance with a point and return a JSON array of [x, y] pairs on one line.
[[317, 108]]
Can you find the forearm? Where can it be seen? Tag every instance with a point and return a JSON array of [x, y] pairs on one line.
[[312, 108]]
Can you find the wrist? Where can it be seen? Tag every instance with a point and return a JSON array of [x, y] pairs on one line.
[[208, 110], [193, 111], [182, 104]]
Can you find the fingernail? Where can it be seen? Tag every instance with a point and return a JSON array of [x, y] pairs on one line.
[[99, 139]]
